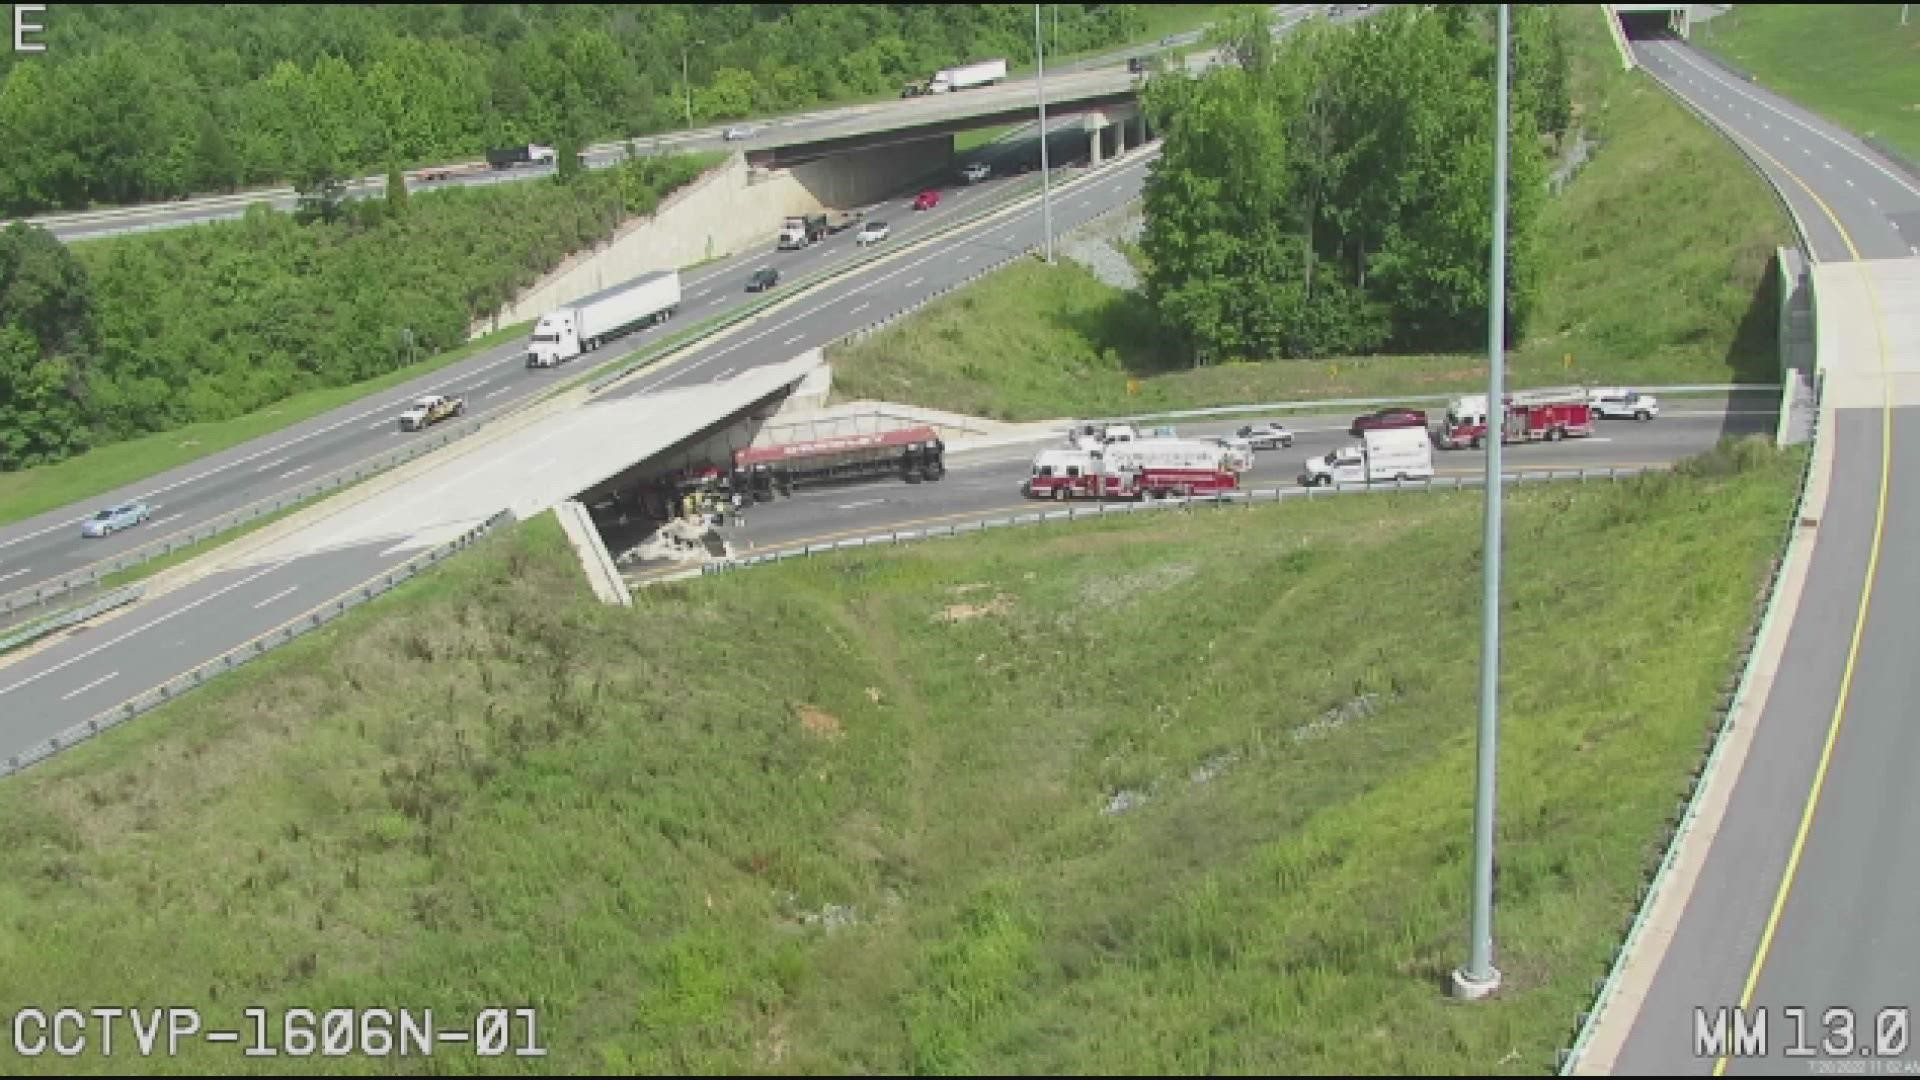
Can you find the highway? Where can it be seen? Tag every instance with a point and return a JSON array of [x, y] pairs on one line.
[[81, 674], [1819, 915], [986, 482], [1090, 72], [43, 547]]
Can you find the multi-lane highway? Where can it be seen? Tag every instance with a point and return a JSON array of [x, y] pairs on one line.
[[87, 673], [986, 482], [1804, 895], [820, 124], [48, 545]]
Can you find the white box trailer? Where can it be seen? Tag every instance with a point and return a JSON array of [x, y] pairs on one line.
[[591, 321], [967, 76], [1384, 455]]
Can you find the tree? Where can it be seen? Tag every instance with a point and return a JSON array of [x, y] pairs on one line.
[[1333, 194], [396, 190]]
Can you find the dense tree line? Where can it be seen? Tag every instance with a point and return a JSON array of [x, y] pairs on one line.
[[114, 338], [140, 102], [1331, 193]]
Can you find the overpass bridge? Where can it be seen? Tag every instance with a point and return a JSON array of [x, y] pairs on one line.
[[1104, 104]]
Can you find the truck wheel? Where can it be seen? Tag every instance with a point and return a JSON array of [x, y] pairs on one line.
[[1553, 434], [1476, 442], [1643, 416]]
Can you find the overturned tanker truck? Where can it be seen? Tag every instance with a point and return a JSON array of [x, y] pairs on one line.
[[912, 454]]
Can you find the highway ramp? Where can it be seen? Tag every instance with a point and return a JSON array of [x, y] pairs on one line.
[[1797, 887]]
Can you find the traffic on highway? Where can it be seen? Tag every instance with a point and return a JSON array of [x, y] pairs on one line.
[[494, 381], [1791, 883]]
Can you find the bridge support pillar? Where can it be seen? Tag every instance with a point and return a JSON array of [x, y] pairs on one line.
[[1140, 129], [1094, 138], [1120, 139]]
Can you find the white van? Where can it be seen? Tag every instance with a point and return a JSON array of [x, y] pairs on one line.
[[1383, 456]]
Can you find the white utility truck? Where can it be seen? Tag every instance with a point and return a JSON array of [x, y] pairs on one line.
[[591, 321], [1383, 455]]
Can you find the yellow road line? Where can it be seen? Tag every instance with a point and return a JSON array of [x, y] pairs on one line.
[[1860, 619]]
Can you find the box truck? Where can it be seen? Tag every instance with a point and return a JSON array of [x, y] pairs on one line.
[[506, 157], [591, 321], [1383, 455]]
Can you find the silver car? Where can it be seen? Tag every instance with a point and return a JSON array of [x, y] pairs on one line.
[[115, 518], [737, 133], [1267, 436]]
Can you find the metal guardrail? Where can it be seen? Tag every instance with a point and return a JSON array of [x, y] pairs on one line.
[[70, 616], [1320, 403], [44, 591], [1733, 693], [822, 277], [1759, 167], [1092, 509], [258, 646]]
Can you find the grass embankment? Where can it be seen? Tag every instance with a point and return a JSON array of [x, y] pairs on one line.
[[1657, 270], [1172, 793], [1864, 75], [33, 491]]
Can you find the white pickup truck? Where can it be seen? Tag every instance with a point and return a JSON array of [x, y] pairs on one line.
[[1619, 402], [431, 410]]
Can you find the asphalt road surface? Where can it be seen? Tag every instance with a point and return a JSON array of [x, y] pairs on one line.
[[986, 482], [82, 674], [1847, 936], [49, 545], [824, 123]]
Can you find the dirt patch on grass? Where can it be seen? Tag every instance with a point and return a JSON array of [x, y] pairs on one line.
[[1109, 592], [1001, 604], [820, 722]]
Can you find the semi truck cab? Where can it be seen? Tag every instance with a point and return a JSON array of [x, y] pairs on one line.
[[555, 340]]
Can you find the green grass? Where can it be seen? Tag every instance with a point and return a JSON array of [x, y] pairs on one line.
[[193, 551], [487, 788], [32, 491], [1864, 76], [1657, 269], [973, 140]]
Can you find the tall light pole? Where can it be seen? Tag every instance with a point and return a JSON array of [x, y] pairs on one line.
[[1046, 179], [1480, 978], [686, 83]]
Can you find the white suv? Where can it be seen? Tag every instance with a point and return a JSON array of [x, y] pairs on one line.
[[1618, 402], [870, 233], [977, 172]]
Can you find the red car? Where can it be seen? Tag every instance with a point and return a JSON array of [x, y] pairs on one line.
[[927, 200], [1387, 418]]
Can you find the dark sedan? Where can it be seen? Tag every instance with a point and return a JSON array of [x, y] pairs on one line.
[[1387, 418], [763, 279]]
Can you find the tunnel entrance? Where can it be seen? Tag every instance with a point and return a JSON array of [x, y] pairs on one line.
[[1651, 24]]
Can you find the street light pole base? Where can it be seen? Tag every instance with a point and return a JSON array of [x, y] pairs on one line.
[[1467, 988]]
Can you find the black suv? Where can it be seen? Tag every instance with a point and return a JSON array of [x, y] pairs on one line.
[[762, 279]]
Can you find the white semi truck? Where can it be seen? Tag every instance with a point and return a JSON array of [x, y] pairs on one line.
[[964, 77], [591, 321]]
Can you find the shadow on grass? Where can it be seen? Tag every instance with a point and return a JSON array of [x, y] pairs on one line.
[[1754, 355], [1128, 329]]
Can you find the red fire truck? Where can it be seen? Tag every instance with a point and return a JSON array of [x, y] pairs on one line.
[[1529, 416], [1131, 470]]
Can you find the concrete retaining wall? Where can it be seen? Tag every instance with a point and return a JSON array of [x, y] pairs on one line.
[[732, 208], [594, 559]]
